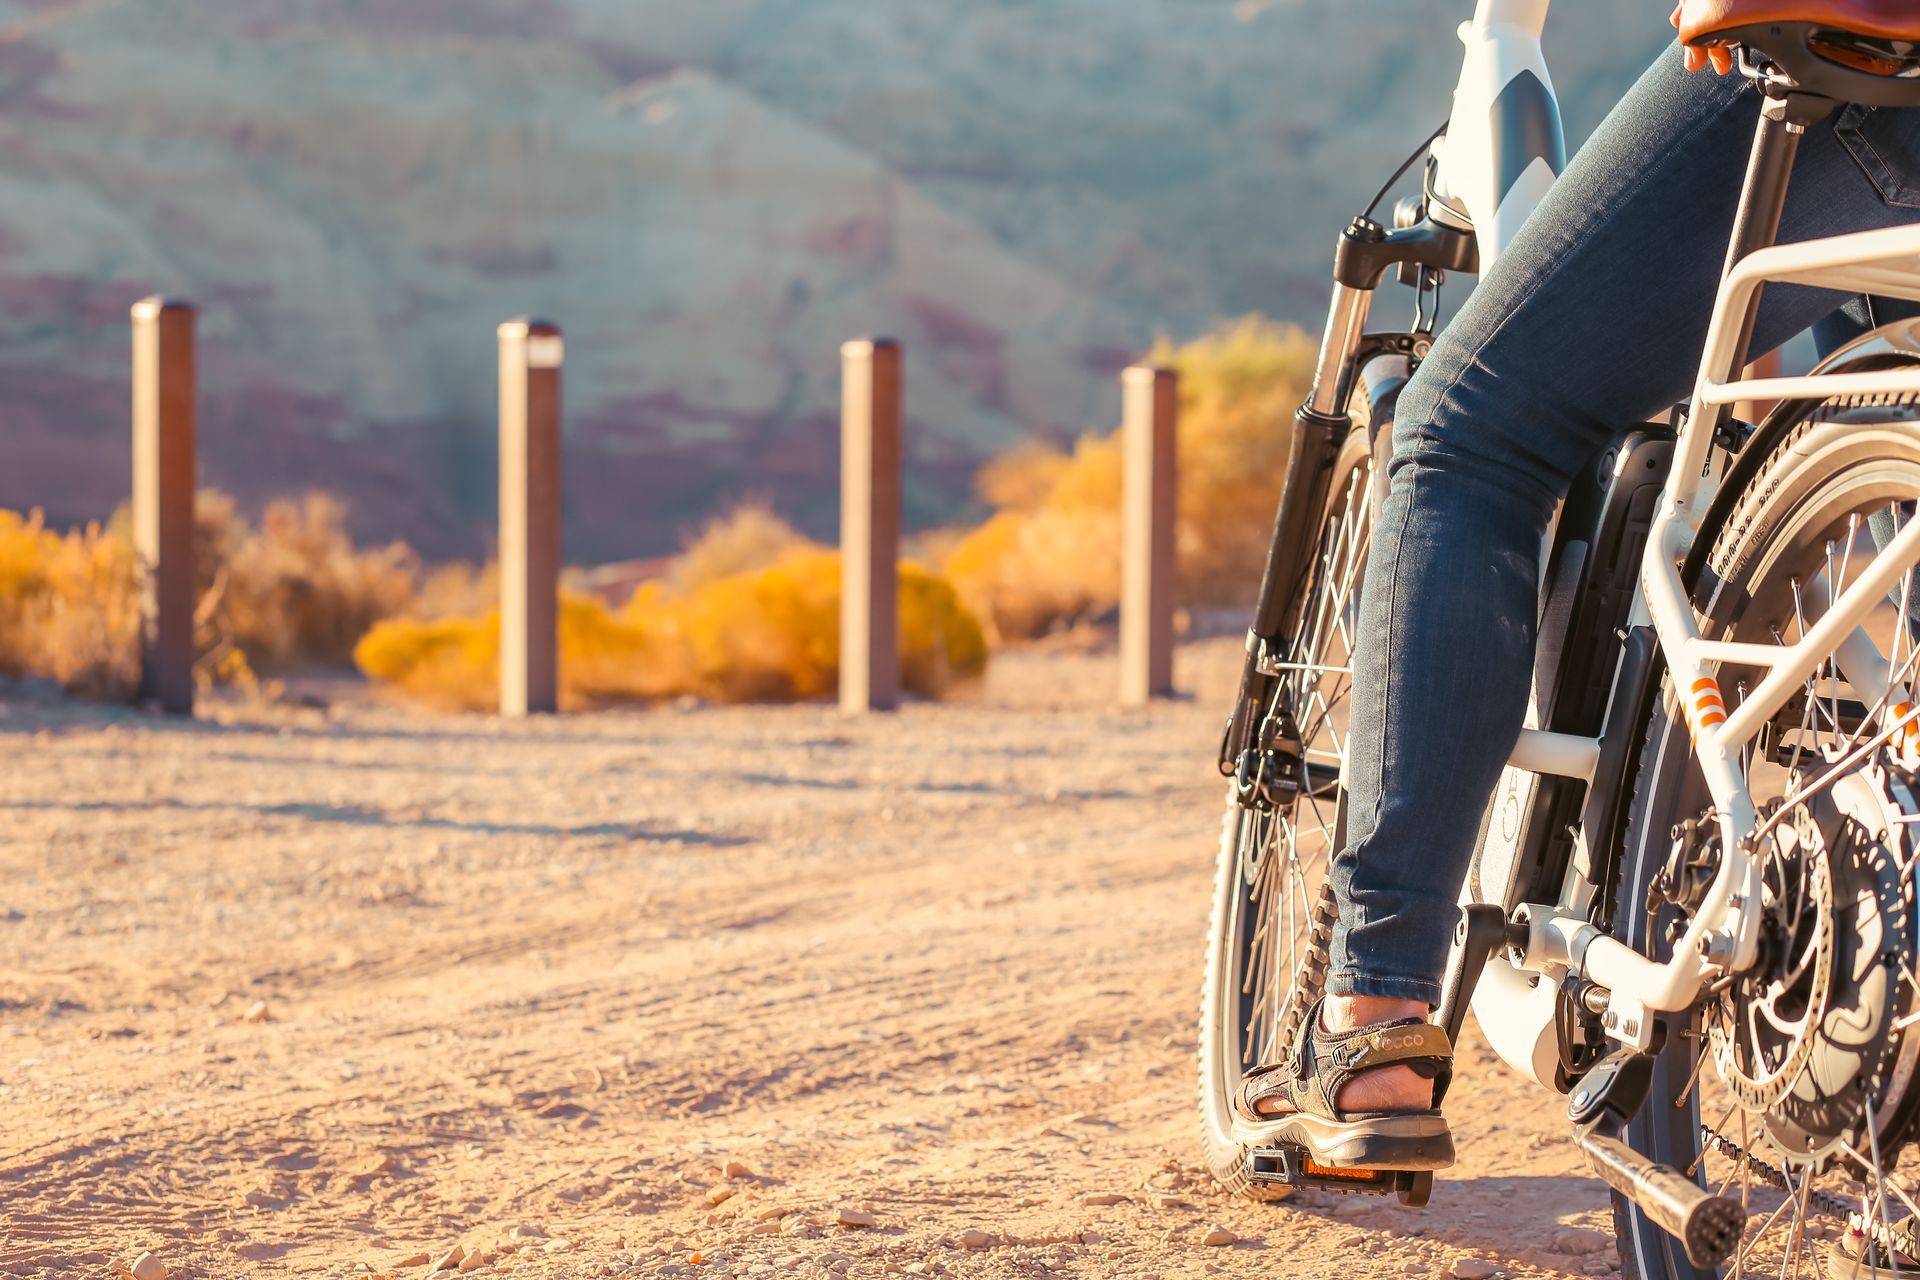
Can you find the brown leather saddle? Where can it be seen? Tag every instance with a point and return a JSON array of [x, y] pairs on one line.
[[1865, 51]]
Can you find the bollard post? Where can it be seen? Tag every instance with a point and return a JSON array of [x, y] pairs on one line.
[[530, 357], [869, 525], [1149, 463], [164, 400]]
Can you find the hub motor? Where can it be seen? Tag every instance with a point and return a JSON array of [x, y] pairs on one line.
[[1817, 1037]]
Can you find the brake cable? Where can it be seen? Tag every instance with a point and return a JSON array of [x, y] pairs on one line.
[[1404, 166]]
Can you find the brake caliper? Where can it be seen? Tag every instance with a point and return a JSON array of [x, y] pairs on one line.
[[1269, 775]]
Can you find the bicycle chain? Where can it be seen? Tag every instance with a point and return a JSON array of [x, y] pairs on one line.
[[1774, 1176]]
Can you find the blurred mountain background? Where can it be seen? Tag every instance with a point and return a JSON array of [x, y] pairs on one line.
[[708, 196]]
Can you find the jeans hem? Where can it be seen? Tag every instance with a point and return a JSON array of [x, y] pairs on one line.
[[1348, 983]]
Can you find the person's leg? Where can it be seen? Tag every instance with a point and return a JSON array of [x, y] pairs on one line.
[[1593, 320]]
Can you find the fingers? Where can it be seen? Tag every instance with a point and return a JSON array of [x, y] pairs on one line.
[[1719, 57]]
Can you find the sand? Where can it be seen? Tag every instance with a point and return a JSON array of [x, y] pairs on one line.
[[295, 991]]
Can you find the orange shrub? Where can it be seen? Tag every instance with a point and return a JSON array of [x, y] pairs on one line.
[[448, 662], [1051, 552], [68, 609], [771, 634], [293, 592]]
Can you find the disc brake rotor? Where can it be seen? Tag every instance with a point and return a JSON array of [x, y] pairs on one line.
[[1811, 1041], [1763, 1048]]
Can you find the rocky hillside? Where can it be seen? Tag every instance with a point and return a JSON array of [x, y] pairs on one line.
[[708, 197]]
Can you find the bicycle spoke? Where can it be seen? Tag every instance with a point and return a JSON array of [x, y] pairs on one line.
[[1298, 842]]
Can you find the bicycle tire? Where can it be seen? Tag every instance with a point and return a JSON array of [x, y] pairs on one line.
[[1226, 1016]]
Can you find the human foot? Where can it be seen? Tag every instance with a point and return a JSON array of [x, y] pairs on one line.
[[1387, 1088]]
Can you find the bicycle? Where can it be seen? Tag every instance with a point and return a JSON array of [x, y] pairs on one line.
[[1706, 854]]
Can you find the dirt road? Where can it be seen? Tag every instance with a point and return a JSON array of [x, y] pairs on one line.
[[313, 993]]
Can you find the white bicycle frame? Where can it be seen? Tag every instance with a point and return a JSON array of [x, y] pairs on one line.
[[1503, 46], [1724, 932]]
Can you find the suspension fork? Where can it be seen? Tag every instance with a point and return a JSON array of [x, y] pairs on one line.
[[1319, 427], [1365, 253]]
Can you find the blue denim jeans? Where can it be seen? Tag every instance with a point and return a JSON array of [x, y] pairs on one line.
[[1594, 320]]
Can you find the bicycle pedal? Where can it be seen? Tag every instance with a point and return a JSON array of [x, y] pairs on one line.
[[1294, 1167]]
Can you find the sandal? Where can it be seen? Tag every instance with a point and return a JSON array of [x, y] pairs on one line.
[[1323, 1062]]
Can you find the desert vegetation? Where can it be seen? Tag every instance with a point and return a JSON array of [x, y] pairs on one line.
[[1050, 552], [749, 609], [291, 592]]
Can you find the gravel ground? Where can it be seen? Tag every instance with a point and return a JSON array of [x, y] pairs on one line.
[[707, 992]]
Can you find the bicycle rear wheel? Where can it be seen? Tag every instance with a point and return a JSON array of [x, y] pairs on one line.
[[1793, 1087], [1272, 904]]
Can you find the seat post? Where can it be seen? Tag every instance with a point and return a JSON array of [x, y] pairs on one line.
[[1763, 198]]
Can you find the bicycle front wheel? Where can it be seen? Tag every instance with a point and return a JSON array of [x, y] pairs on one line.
[[1272, 904]]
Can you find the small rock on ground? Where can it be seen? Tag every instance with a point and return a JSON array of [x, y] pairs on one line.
[[856, 1218], [148, 1267], [1580, 1241], [1218, 1236], [1473, 1269]]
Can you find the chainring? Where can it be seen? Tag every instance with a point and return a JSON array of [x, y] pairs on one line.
[[1815, 1039]]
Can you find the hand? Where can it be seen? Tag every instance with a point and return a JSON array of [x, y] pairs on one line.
[[1697, 59]]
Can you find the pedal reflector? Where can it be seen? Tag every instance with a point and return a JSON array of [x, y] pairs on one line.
[[1314, 1169], [1293, 1167]]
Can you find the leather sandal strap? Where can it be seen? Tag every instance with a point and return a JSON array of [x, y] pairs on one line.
[[1324, 1062], [1271, 1081]]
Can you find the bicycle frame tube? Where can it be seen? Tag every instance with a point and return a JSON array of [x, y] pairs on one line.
[[1505, 144]]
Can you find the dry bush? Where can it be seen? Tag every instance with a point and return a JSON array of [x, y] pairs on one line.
[[1022, 479], [746, 538], [771, 634], [1239, 387], [295, 591], [68, 608], [458, 590], [1050, 554]]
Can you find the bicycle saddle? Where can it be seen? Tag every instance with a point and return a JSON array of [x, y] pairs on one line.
[[1865, 51]]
